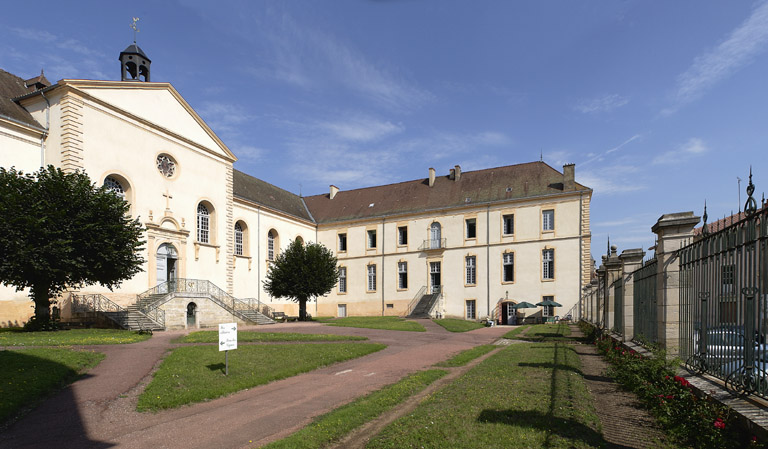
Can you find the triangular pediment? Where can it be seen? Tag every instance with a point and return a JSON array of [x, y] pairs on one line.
[[158, 104]]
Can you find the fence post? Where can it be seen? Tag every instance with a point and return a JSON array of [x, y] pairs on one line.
[[671, 230], [631, 260], [612, 265]]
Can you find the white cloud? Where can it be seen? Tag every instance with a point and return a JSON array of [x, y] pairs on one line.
[[612, 180], [693, 147], [601, 156], [605, 103], [249, 152], [735, 52], [360, 129]]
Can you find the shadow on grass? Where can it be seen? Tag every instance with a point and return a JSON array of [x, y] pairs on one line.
[[565, 428], [25, 410], [216, 367], [552, 366]]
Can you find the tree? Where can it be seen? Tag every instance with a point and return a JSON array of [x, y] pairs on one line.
[[301, 272], [59, 231]]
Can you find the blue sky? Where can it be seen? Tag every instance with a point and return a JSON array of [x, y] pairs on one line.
[[661, 105]]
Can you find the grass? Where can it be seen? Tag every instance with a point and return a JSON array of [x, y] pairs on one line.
[[456, 325], [196, 373], [70, 337], [333, 426], [542, 332], [29, 375], [391, 323], [467, 356], [249, 336], [516, 331], [527, 395]]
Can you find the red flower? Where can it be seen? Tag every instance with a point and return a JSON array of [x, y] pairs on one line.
[[719, 423], [671, 396]]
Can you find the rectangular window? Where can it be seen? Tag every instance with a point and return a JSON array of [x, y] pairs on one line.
[[548, 220], [508, 262], [548, 264], [471, 228], [471, 309], [371, 238], [402, 275], [342, 279], [509, 224], [727, 279], [471, 270], [238, 240], [548, 311], [402, 235], [342, 243], [371, 278]]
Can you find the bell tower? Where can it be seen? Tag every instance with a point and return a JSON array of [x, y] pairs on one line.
[[134, 63]]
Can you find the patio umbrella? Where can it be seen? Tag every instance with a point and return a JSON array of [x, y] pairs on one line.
[[524, 305], [549, 302]]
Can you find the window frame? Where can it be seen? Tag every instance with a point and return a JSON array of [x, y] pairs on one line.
[[473, 221], [504, 224], [402, 231], [473, 308], [504, 265], [370, 278], [470, 270], [548, 225], [371, 239], [203, 228], [402, 275], [272, 245], [342, 237], [545, 261], [239, 246], [547, 311], [342, 280]]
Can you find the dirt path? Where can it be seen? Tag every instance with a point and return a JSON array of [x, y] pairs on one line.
[[625, 423]]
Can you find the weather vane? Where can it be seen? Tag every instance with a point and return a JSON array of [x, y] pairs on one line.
[[135, 28]]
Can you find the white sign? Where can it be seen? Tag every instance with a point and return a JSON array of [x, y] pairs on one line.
[[227, 336]]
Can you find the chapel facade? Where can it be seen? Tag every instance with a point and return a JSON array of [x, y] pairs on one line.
[[477, 241]]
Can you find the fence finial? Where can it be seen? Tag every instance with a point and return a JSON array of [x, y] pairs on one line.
[[704, 230], [750, 207]]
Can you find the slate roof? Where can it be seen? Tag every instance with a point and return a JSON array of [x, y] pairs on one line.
[[135, 49], [11, 86], [480, 186], [266, 194]]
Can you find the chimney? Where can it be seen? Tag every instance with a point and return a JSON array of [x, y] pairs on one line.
[[334, 191], [431, 176], [569, 177], [452, 174], [457, 171]]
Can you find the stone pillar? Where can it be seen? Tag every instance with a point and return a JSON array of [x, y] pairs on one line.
[[672, 230], [612, 273], [600, 296], [593, 301], [631, 261]]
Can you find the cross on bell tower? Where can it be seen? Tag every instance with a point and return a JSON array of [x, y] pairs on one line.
[[134, 63]]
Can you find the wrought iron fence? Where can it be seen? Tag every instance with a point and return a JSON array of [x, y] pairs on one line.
[[644, 306], [415, 300], [618, 305], [724, 303], [94, 302]]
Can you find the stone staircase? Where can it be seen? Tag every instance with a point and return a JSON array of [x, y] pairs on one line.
[[425, 305], [133, 320], [257, 317]]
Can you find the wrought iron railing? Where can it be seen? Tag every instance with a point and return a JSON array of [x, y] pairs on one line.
[[416, 299], [94, 302], [618, 306], [644, 302], [724, 302], [257, 305], [433, 244], [150, 301]]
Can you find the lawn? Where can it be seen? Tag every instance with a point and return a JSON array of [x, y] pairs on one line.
[[467, 356], [28, 375], [391, 323], [527, 395], [249, 336], [516, 331], [15, 337], [542, 332], [338, 423], [196, 373], [456, 325]]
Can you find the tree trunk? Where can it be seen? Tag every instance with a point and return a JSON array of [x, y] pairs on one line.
[[41, 297], [302, 309]]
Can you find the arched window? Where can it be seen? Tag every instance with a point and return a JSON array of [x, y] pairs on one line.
[[300, 240], [115, 186], [203, 224], [271, 238], [239, 240]]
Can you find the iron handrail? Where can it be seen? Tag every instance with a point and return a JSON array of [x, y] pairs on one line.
[[433, 244], [416, 299], [94, 302]]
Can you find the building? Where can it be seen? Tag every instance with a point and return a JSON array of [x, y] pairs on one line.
[[475, 241]]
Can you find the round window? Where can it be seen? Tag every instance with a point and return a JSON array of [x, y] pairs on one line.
[[166, 165]]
